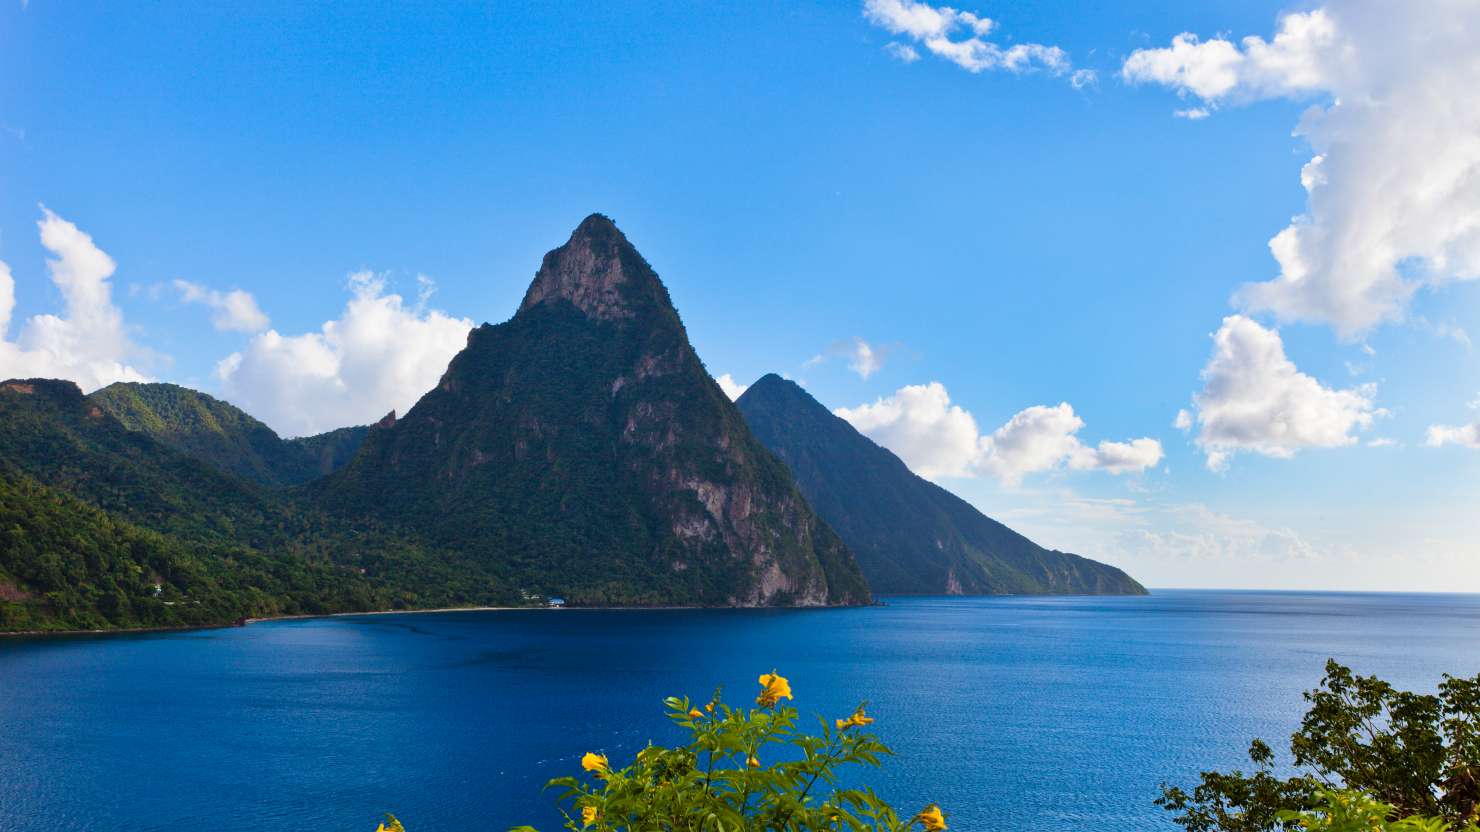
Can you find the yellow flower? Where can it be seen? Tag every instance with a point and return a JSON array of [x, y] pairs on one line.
[[588, 816], [596, 763], [753, 761], [394, 827], [709, 708], [773, 689], [858, 718], [930, 819], [695, 713]]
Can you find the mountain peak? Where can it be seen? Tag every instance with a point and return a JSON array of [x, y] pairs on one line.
[[772, 384], [597, 224], [599, 272], [910, 536], [773, 391], [59, 390]]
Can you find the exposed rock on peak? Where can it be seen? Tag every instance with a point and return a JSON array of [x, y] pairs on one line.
[[600, 273], [59, 390]]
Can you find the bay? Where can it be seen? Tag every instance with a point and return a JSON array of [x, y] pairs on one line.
[[1013, 713]]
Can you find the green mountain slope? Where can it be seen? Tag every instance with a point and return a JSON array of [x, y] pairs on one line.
[[94, 515], [223, 435], [328, 452], [582, 449], [910, 535]]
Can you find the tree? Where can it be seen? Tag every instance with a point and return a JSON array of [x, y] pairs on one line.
[[1418, 754]]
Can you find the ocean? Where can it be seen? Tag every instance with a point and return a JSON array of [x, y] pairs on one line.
[[1012, 713]]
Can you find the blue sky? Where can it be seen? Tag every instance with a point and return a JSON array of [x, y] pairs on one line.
[[1020, 235]]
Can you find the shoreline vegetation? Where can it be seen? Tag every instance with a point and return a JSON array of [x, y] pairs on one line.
[[532, 607]]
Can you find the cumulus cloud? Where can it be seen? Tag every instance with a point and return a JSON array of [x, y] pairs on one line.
[[381, 354], [1296, 61], [1254, 399], [1466, 436], [936, 438], [732, 388], [1393, 186], [960, 37], [233, 311], [89, 344], [919, 423]]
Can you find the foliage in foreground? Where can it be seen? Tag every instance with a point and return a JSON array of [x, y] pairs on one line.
[[1363, 750], [743, 770], [1352, 811]]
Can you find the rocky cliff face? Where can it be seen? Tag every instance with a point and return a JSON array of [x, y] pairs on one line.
[[583, 449], [910, 535]]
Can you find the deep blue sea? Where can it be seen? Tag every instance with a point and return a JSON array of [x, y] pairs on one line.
[[1012, 713]]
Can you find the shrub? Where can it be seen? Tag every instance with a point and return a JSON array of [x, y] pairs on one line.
[[1352, 811], [743, 770]]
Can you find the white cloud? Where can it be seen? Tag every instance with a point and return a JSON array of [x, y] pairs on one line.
[[1382, 442], [864, 359], [1183, 422], [1467, 436], [379, 355], [90, 345], [1192, 113], [732, 388], [1254, 399], [936, 438], [958, 36], [1297, 61], [902, 52], [1393, 188], [235, 311], [1042, 438], [7, 298], [919, 423]]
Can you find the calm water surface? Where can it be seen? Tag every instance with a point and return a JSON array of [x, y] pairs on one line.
[[1013, 713]]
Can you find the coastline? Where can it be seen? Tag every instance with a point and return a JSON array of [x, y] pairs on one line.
[[249, 621]]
